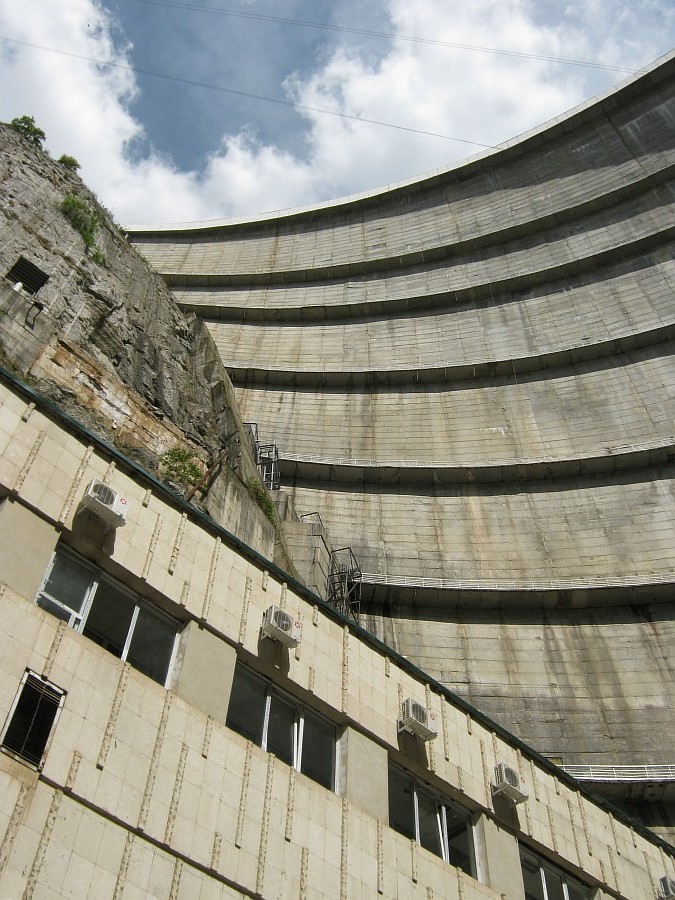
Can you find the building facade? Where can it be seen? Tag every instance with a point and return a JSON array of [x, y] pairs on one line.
[[158, 741]]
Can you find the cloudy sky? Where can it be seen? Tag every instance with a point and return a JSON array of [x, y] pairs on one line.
[[184, 111]]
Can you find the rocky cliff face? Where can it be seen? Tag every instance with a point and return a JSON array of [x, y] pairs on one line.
[[105, 339], [116, 308]]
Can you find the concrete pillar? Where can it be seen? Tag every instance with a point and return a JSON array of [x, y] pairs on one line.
[[204, 671], [498, 859], [363, 776], [26, 545]]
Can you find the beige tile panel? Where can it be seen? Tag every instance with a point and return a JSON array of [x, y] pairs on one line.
[[155, 773]]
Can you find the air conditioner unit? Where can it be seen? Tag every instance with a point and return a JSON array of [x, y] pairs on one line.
[[280, 626], [667, 887], [509, 783], [417, 719], [105, 503]]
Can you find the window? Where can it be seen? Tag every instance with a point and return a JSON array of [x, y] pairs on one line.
[[28, 275], [31, 719], [439, 825], [282, 726], [544, 881], [114, 618]]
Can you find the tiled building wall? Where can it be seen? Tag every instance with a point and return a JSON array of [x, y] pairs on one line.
[[145, 794]]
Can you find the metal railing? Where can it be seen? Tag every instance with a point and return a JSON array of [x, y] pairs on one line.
[[266, 457], [525, 584], [344, 583], [621, 773], [312, 518]]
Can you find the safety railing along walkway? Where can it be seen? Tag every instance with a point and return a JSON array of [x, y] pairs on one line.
[[621, 773], [524, 584]]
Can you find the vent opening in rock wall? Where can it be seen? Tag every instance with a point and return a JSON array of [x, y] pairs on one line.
[[27, 275]]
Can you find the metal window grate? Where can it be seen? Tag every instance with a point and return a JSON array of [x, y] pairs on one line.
[[28, 275], [32, 719]]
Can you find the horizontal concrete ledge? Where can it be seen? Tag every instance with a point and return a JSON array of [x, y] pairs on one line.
[[487, 294], [296, 467], [499, 594], [400, 262], [603, 104], [452, 373]]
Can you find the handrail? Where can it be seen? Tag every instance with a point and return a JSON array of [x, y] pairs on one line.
[[651, 773], [525, 584]]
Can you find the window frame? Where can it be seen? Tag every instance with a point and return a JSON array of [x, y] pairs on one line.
[[77, 620], [544, 866], [27, 676], [442, 806], [301, 712]]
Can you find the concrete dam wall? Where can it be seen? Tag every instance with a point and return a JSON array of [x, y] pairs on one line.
[[469, 376]]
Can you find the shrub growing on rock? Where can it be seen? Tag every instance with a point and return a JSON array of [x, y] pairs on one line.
[[26, 127], [81, 217], [69, 162], [179, 465]]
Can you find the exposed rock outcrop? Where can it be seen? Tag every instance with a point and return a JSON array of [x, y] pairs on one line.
[[105, 339]]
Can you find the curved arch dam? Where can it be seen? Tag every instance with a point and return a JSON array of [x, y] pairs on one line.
[[470, 376]]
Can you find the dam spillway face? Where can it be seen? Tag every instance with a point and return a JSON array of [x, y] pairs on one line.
[[469, 376]]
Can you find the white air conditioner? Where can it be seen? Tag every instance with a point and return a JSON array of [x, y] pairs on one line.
[[105, 503], [509, 783], [417, 719], [667, 887], [280, 626]]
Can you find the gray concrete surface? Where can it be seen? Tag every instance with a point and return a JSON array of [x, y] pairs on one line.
[[470, 377]]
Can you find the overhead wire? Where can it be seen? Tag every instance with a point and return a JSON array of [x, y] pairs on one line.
[[175, 4], [370, 32], [226, 90]]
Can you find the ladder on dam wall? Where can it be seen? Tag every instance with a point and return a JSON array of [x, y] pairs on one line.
[[266, 458], [344, 583]]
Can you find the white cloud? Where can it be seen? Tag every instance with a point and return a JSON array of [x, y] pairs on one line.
[[479, 96]]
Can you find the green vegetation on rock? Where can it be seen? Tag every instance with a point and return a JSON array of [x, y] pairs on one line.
[[179, 465], [83, 219], [69, 162], [259, 493], [26, 127]]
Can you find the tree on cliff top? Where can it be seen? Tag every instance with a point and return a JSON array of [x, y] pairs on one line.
[[26, 127]]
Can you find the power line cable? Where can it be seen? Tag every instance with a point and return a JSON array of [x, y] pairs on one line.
[[238, 93], [325, 26]]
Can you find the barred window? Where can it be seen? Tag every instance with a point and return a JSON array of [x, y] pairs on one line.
[[31, 719], [27, 274]]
